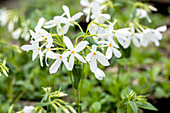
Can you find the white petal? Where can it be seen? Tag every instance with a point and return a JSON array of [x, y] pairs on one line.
[[108, 53], [99, 74], [35, 54], [16, 34], [80, 46], [116, 52], [51, 55], [66, 54], [84, 3], [107, 16], [71, 61], [65, 29], [101, 58], [135, 42], [94, 47], [66, 64], [40, 23], [27, 47], [79, 57], [89, 56], [68, 43], [76, 16], [11, 26], [66, 10], [54, 67], [93, 64], [162, 28]]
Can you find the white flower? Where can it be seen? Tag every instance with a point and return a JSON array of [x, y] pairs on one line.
[[99, 74], [11, 26], [39, 32], [73, 51], [96, 55], [61, 94], [57, 21], [88, 8], [141, 13], [59, 58], [28, 109], [70, 19], [16, 33], [25, 35], [95, 29], [135, 37], [121, 35], [152, 35], [48, 47], [36, 50], [97, 15], [4, 17]]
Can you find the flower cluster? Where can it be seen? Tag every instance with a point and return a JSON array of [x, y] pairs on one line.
[[100, 30], [9, 18]]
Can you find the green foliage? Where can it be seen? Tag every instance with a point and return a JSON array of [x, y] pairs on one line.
[[131, 101]]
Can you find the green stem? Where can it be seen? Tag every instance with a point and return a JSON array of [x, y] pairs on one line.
[[72, 86]]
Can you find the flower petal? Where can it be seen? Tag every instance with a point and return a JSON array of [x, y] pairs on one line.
[[136, 42], [162, 28], [68, 43], [71, 61], [99, 74], [40, 23], [35, 54], [108, 53], [76, 16], [89, 56], [80, 46], [79, 57], [66, 64], [102, 59], [93, 64], [84, 3], [116, 52], [66, 10], [27, 47], [54, 67]]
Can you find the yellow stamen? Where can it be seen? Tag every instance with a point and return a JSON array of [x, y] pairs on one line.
[[39, 48], [57, 23], [72, 52], [45, 37], [132, 34], [48, 49], [60, 57], [39, 32], [110, 45], [94, 53]]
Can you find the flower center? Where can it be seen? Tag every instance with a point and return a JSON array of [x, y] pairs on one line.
[[60, 57], [70, 21], [94, 53], [72, 52], [110, 45], [57, 23], [132, 34], [45, 37], [48, 49], [39, 48], [39, 32]]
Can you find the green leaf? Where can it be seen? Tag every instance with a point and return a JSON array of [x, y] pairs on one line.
[[159, 92], [43, 104], [133, 13], [132, 107], [77, 74], [146, 105], [96, 106], [123, 61], [79, 34]]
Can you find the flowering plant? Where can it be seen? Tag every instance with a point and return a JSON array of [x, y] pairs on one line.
[[98, 43]]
